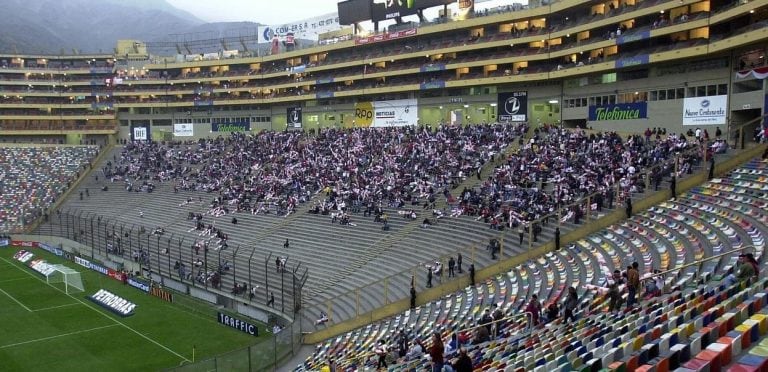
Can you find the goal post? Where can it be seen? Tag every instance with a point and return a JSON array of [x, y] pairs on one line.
[[72, 280]]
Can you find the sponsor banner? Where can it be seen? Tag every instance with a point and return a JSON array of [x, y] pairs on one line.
[[709, 110], [432, 85], [241, 126], [101, 106], [238, 324], [139, 284], [23, 256], [19, 243], [42, 267], [51, 249], [308, 29], [161, 293], [619, 111], [139, 133], [513, 106], [637, 36], [395, 113], [765, 112], [4, 243], [183, 130], [100, 269], [642, 59], [324, 94], [294, 117], [324, 81], [113, 302], [433, 67], [385, 36], [466, 9], [363, 114]]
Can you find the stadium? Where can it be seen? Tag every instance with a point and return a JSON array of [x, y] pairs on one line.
[[433, 185]]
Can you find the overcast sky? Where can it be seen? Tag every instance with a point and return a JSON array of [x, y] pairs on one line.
[[265, 11]]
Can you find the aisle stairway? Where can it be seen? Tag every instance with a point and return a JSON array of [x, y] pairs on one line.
[[715, 218]]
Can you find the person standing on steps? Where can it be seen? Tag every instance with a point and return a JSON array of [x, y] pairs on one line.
[[673, 187], [629, 206], [413, 297], [458, 262], [451, 267], [521, 233], [429, 277], [557, 238], [286, 244], [609, 196], [711, 167], [472, 274], [271, 301]]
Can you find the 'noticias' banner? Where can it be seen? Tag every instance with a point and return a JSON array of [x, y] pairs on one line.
[[513, 106], [395, 113]]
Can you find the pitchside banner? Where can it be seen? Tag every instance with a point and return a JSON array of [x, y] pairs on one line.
[[238, 324], [619, 111], [183, 130], [513, 106], [709, 110], [395, 113], [294, 117]]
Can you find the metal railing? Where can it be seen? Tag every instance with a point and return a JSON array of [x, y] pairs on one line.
[[171, 256]]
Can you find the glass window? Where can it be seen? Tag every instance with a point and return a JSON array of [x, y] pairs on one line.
[[711, 90], [680, 93], [722, 89], [701, 91], [654, 95], [671, 94], [662, 95]]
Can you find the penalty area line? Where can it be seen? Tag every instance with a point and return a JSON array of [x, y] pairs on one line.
[[99, 312], [15, 300]]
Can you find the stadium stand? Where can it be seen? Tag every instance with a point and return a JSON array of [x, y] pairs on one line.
[[700, 320], [259, 210], [33, 178]]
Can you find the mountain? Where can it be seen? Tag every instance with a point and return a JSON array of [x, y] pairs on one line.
[[56, 26]]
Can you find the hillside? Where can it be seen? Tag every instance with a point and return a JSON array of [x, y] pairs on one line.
[[54, 26]]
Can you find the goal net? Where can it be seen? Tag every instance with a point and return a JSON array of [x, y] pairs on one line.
[[70, 278]]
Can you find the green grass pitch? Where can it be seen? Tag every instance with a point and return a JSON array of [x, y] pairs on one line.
[[44, 329]]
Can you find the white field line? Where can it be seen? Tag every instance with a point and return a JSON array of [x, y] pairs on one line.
[[100, 312], [15, 300], [57, 307], [57, 336]]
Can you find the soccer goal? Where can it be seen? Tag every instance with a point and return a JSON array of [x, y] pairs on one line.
[[73, 283]]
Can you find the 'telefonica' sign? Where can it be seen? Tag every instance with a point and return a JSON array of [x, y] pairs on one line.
[[619, 111]]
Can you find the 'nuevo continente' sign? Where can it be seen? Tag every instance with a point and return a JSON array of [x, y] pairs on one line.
[[619, 111]]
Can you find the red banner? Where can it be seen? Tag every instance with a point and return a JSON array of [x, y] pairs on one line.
[[19, 243], [385, 36]]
